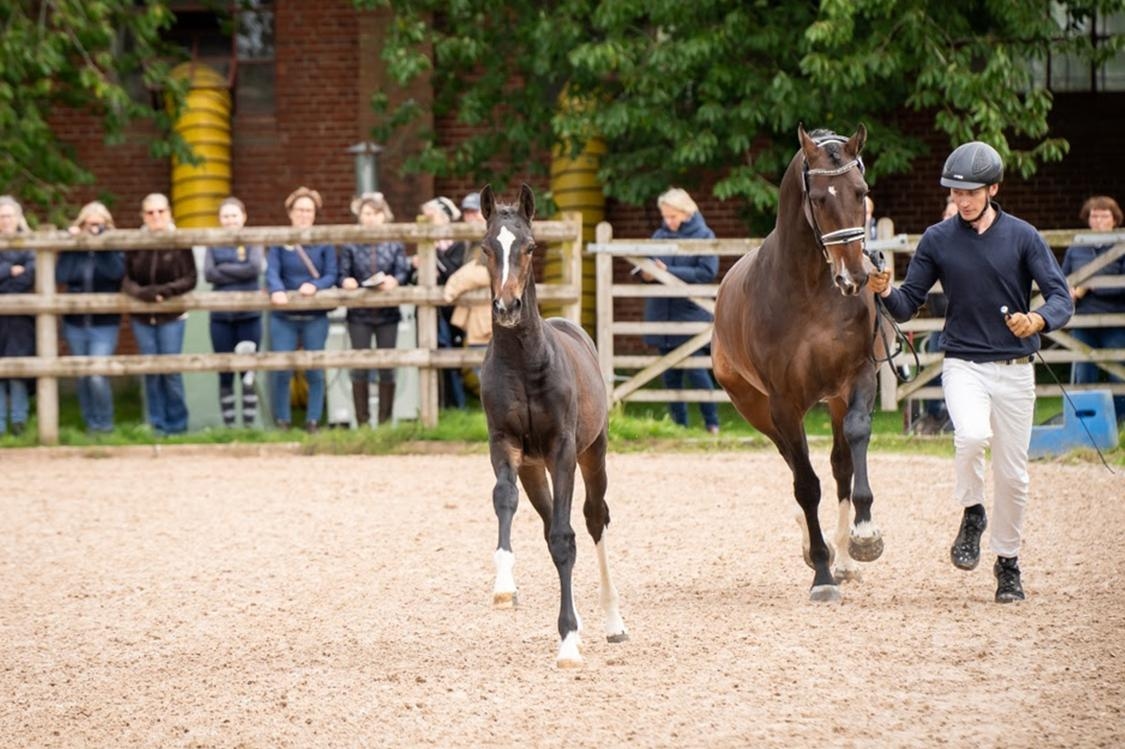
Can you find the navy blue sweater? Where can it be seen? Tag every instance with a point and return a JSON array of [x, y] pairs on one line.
[[687, 268], [981, 273]]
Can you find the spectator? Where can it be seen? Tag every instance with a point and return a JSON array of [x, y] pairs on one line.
[[450, 256], [155, 276], [935, 415], [474, 319], [88, 272], [1102, 214], [470, 209], [869, 217], [305, 270], [681, 219], [236, 268], [17, 332], [376, 267]]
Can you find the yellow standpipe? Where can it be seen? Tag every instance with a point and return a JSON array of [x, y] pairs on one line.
[[204, 122], [575, 187]]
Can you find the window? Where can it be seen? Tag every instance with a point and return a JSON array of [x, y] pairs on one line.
[[1063, 72], [237, 42]]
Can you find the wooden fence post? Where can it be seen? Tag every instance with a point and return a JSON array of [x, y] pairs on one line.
[[603, 279], [572, 268], [427, 335], [47, 347]]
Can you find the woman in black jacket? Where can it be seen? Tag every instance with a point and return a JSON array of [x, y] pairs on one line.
[[17, 332]]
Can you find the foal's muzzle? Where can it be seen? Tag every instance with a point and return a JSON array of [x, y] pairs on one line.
[[507, 314]]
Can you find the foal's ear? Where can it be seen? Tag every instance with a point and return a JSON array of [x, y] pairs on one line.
[[857, 141], [527, 202], [487, 202]]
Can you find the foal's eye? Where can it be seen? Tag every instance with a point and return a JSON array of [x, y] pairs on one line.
[[530, 248]]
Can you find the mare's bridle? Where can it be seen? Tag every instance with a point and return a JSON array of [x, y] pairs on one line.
[[840, 236]]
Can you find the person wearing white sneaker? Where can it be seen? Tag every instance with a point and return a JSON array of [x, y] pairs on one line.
[[986, 261]]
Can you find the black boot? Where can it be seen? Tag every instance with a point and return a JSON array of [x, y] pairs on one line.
[[1008, 588], [226, 405], [386, 401], [966, 548], [361, 391]]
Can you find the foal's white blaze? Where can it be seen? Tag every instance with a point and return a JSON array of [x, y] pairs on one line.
[[505, 237], [614, 624], [504, 591]]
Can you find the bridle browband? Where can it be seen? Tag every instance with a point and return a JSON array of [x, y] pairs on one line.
[[840, 236]]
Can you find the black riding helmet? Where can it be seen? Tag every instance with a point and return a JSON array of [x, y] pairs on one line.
[[972, 165]]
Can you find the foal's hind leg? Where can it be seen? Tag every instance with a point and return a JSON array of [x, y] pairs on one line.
[[592, 463]]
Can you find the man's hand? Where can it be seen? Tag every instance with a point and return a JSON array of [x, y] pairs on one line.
[[1024, 325], [879, 282]]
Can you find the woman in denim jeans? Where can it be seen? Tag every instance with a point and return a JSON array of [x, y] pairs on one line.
[[235, 269], [17, 332], [153, 276], [305, 269], [89, 272]]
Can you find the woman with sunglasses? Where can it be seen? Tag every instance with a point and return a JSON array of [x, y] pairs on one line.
[[90, 272], [154, 276]]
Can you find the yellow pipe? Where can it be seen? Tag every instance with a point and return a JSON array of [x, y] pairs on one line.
[[204, 122], [575, 187]]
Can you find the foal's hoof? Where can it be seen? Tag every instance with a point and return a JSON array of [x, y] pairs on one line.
[[825, 594], [506, 600], [831, 556], [569, 654], [847, 574], [865, 549]]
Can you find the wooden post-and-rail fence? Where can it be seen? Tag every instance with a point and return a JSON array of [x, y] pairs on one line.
[[48, 305], [645, 368]]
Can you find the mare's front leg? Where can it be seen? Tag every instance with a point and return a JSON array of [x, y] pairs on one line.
[[560, 542], [792, 444], [866, 541], [845, 568], [506, 459]]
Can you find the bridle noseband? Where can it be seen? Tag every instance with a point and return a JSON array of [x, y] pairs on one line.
[[840, 236]]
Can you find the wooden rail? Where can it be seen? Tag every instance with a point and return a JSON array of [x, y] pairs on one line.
[[646, 368], [47, 305]]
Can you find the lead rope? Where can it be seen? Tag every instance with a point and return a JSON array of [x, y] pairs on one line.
[[879, 261]]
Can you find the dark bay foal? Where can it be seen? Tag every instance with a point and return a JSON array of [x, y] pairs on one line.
[[545, 403]]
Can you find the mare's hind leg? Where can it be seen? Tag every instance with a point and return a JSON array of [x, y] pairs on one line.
[[505, 498], [866, 540], [592, 463]]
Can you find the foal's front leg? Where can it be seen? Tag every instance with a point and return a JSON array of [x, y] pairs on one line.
[[560, 542], [505, 498]]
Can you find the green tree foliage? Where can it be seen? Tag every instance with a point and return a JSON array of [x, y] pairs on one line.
[[81, 55], [681, 90]]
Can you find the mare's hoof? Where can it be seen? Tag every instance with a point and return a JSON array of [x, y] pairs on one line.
[[852, 574], [831, 556], [619, 637], [505, 600], [865, 549], [825, 594]]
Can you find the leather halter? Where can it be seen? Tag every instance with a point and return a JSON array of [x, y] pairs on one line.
[[840, 236]]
